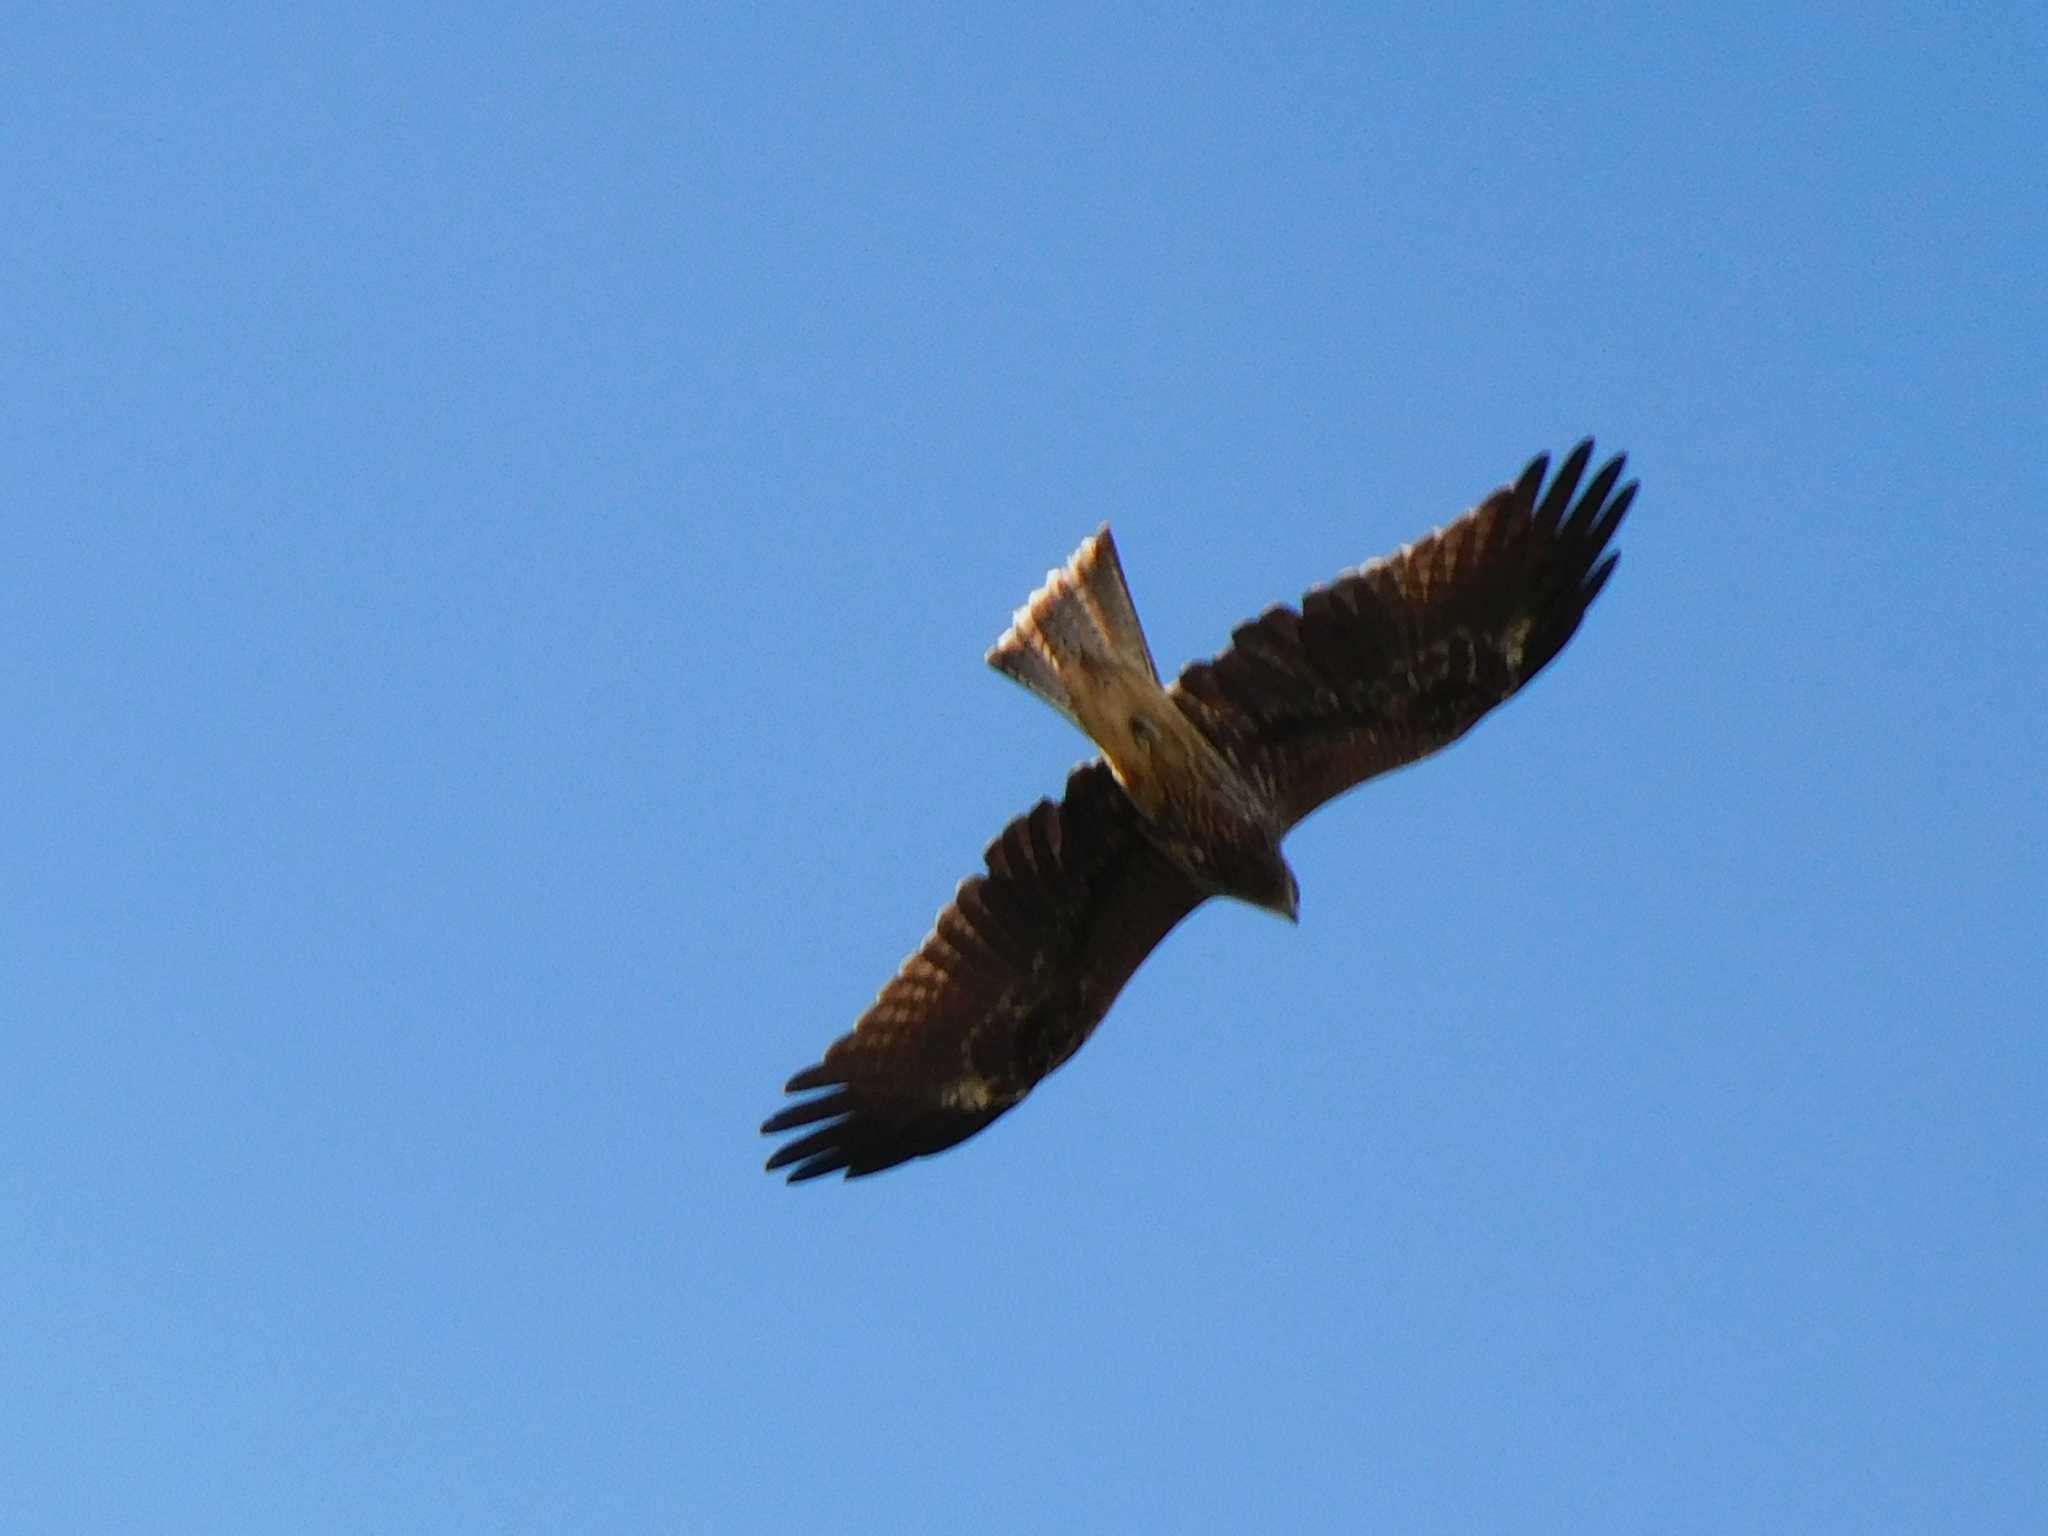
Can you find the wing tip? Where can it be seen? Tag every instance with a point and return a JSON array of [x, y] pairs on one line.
[[859, 1134], [1583, 520], [856, 1147], [823, 1151]]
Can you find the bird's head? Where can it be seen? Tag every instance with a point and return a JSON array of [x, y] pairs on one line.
[[1260, 876]]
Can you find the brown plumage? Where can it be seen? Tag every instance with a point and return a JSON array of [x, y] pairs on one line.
[[1197, 784]]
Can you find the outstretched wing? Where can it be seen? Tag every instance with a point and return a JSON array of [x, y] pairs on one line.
[[1016, 973], [1403, 655]]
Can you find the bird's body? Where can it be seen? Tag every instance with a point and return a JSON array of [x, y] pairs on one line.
[[1198, 783], [1077, 645]]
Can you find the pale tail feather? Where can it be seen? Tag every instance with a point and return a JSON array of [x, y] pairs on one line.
[[1081, 614]]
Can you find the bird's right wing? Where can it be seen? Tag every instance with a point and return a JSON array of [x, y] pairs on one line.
[[1404, 654]]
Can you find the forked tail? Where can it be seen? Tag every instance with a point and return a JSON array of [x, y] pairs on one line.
[[1078, 626]]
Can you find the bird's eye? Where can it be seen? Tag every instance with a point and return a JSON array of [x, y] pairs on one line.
[[1142, 731]]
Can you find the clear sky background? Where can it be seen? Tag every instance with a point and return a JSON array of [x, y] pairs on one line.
[[503, 512]]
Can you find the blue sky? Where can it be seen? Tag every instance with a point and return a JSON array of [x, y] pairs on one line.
[[505, 511]]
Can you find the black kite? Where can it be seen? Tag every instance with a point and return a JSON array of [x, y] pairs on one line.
[[1196, 786]]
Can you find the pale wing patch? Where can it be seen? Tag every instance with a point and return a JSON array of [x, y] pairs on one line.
[[967, 1093]]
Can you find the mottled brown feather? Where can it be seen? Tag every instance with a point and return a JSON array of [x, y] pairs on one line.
[[1018, 970], [1402, 656]]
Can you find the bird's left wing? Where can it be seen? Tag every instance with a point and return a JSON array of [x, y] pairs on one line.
[[1015, 974], [1403, 655]]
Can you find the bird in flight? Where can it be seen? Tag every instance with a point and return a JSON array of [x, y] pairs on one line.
[[1197, 784]]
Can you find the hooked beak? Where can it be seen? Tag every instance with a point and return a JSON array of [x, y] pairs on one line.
[[1291, 907]]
